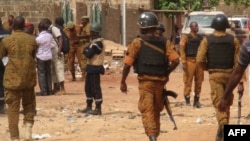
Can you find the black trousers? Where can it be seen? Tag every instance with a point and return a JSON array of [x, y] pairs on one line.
[[44, 76], [93, 87]]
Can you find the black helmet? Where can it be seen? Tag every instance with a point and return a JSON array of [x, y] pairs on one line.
[[96, 27], [220, 22], [161, 26], [147, 20]]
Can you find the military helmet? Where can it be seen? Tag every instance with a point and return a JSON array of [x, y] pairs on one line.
[[70, 25], [220, 22], [147, 20], [96, 27], [161, 26]]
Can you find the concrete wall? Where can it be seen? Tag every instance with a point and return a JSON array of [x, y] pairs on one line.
[[32, 10], [35, 10]]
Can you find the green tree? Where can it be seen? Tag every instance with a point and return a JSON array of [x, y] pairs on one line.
[[193, 4]]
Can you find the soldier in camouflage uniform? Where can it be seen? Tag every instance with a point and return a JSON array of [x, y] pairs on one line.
[[75, 49], [219, 53], [20, 78], [84, 35], [153, 65], [191, 73]]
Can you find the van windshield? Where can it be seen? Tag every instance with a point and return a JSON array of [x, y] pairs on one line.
[[202, 20]]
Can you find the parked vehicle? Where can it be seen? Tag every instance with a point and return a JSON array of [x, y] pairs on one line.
[[204, 20], [239, 24]]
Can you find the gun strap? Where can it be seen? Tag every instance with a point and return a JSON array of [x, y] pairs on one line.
[[152, 46]]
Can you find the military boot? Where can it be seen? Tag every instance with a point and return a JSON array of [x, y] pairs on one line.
[[73, 76], [88, 107], [197, 103], [152, 138], [97, 110], [28, 132], [2, 110], [187, 99]]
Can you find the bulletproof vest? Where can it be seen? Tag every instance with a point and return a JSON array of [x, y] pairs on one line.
[[192, 45], [151, 61], [220, 52], [97, 59]]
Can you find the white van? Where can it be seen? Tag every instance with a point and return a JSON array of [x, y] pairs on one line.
[[204, 20]]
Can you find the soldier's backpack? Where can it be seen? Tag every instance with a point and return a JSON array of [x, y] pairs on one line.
[[65, 41]]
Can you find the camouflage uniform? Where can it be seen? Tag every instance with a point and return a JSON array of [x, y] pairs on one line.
[[218, 78], [20, 78], [75, 49], [150, 102], [193, 72], [85, 42]]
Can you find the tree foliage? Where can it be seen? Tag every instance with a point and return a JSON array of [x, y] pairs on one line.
[[193, 5], [183, 4]]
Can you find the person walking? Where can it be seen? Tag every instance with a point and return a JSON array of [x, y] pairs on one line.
[[153, 59], [95, 54], [219, 52], [75, 49], [57, 64], [20, 78], [44, 57], [3, 33], [191, 72]]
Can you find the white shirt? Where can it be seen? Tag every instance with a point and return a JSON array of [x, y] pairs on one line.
[[56, 33], [43, 41]]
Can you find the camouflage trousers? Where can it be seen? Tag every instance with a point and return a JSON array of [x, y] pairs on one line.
[[13, 99], [150, 104], [76, 52], [218, 81], [195, 74]]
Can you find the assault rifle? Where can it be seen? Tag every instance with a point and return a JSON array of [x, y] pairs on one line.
[[239, 105], [173, 94]]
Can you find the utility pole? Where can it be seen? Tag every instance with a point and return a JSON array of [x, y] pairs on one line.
[[124, 23]]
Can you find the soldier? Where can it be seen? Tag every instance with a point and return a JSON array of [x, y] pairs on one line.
[[153, 60], [219, 52], [84, 34], [95, 54], [3, 33], [160, 30], [75, 49], [20, 78], [188, 50]]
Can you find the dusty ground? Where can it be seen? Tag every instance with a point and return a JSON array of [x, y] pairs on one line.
[[57, 119]]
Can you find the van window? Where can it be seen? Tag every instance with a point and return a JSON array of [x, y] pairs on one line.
[[202, 20]]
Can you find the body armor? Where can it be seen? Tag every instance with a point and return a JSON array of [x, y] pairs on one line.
[[220, 52], [192, 45], [151, 61], [97, 59]]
